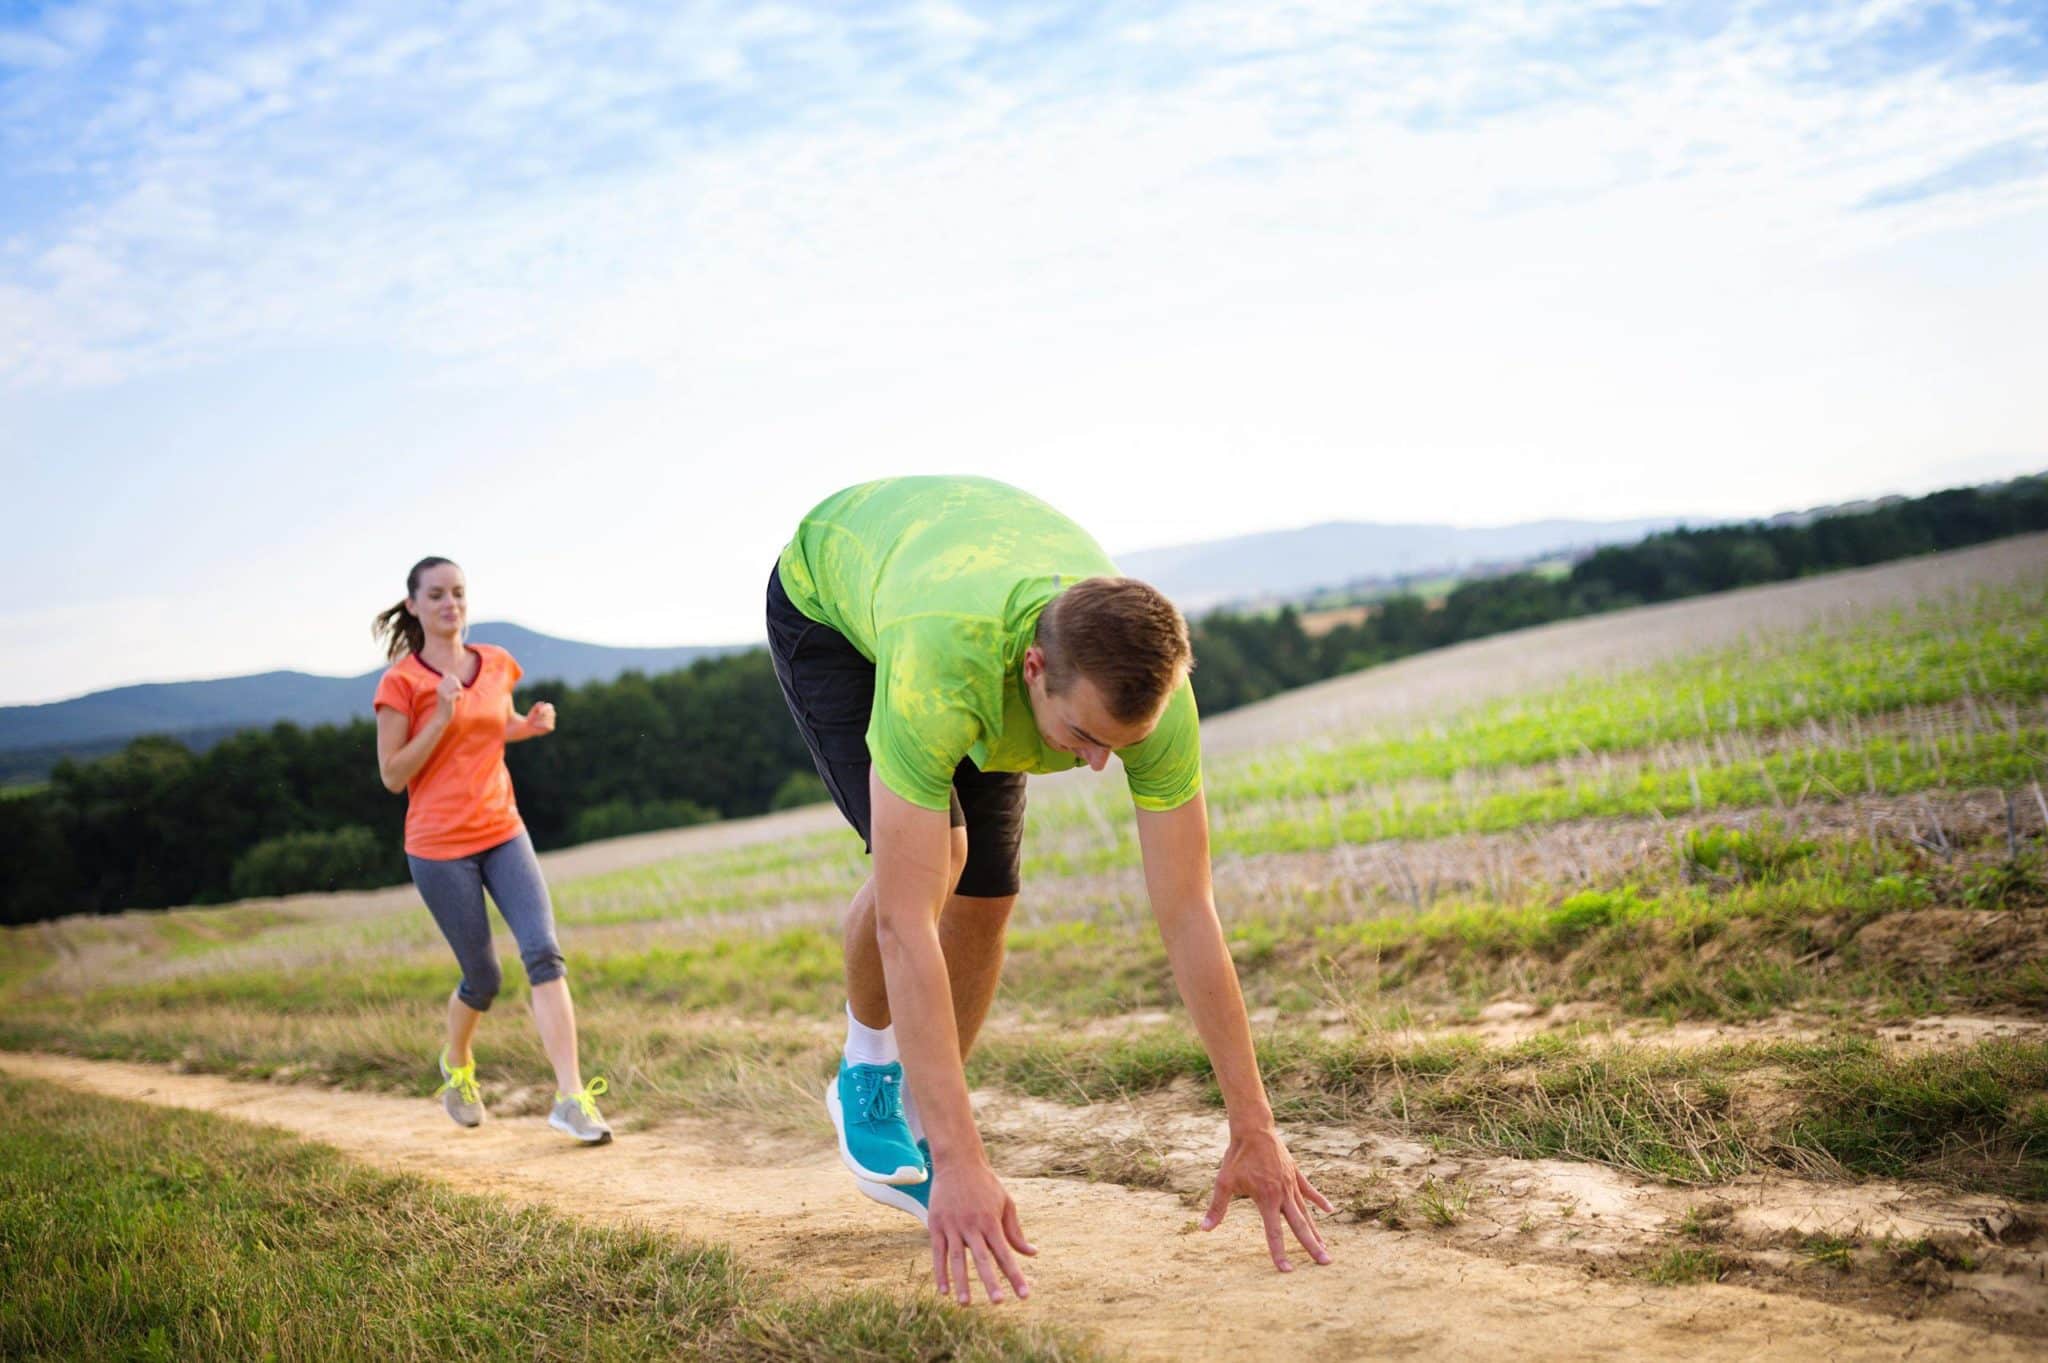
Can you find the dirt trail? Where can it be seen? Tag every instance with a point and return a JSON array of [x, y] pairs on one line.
[[1123, 1263]]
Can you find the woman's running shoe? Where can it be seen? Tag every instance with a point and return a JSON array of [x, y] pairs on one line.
[[459, 1093], [577, 1115]]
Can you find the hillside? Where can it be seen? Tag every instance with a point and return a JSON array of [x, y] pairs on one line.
[[1289, 562], [202, 712]]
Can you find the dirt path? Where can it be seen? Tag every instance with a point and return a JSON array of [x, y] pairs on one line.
[[1125, 1264]]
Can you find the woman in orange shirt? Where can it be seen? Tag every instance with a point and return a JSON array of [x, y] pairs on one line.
[[444, 715]]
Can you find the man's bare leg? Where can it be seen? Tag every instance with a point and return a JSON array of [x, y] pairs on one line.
[[867, 993], [972, 931]]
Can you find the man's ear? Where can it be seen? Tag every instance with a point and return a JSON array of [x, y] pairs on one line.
[[1034, 663]]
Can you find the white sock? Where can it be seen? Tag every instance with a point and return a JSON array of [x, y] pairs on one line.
[[910, 1115], [869, 1045]]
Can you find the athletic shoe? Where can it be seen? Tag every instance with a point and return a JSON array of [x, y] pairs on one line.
[[915, 1198], [866, 1103], [577, 1114], [459, 1093]]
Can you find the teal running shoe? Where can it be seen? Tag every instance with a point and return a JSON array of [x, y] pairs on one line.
[[866, 1103], [916, 1198]]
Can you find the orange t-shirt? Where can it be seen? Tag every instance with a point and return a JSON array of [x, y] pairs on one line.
[[460, 802]]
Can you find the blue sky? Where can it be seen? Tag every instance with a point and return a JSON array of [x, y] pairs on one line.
[[597, 298]]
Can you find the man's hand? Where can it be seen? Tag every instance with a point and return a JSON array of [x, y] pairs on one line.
[[971, 1215], [1258, 1166]]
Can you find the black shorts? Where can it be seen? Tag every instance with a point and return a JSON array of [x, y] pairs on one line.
[[830, 689]]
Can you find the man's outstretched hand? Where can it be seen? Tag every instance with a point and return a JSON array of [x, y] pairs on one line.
[[973, 1218], [1258, 1166]]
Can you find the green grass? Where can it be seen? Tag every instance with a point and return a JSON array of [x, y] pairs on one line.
[[1750, 725], [130, 1232], [1684, 1267], [1992, 650], [1650, 786]]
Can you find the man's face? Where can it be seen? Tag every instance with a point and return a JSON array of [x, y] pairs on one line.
[[1075, 720]]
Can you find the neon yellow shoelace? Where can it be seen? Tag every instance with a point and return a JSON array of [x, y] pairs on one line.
[[586, 1097], [462, 1079]]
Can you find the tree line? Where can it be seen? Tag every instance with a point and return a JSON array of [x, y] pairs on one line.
[[284, 809]]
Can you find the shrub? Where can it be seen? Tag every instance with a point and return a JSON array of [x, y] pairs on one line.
[[802, 788], [338, 859], [616, 818]]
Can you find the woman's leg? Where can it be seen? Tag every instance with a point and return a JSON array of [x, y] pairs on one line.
[[512, 873], [555, 1014], [462, 1021], [454, 893]]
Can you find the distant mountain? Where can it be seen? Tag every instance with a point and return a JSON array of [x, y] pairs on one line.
[[203, 712], [1284, 563]]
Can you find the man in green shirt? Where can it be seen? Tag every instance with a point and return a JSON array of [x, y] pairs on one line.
[[936, 639]]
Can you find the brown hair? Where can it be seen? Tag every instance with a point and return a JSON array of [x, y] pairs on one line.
[[398, 627], [1121, 634]]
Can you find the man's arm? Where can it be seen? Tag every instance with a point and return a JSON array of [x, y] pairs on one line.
[[1175, 844], [970, 1214]]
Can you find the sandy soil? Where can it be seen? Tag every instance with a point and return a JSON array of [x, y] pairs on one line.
[[1126, 1264]]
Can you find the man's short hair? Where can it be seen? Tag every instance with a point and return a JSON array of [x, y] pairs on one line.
[[1121, 634]]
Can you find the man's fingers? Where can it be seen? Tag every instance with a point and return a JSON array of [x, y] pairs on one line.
[[1013, 1231], [1305, 1230], [939, 1264], [1219, 1207], [985, 1268], [1275, 1241], [963, 1289], [1012, 1270], [1308, 1190]]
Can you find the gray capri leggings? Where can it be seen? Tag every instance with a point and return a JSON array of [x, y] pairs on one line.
[[454, 891]]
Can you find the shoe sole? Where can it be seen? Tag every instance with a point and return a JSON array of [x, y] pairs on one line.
[[905, 1175], [895, 1197], [601, 1138]]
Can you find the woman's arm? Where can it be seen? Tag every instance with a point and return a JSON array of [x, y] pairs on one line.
[[400, 759], [537, 721]]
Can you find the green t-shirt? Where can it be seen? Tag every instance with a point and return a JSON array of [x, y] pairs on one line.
[[939, 581]]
